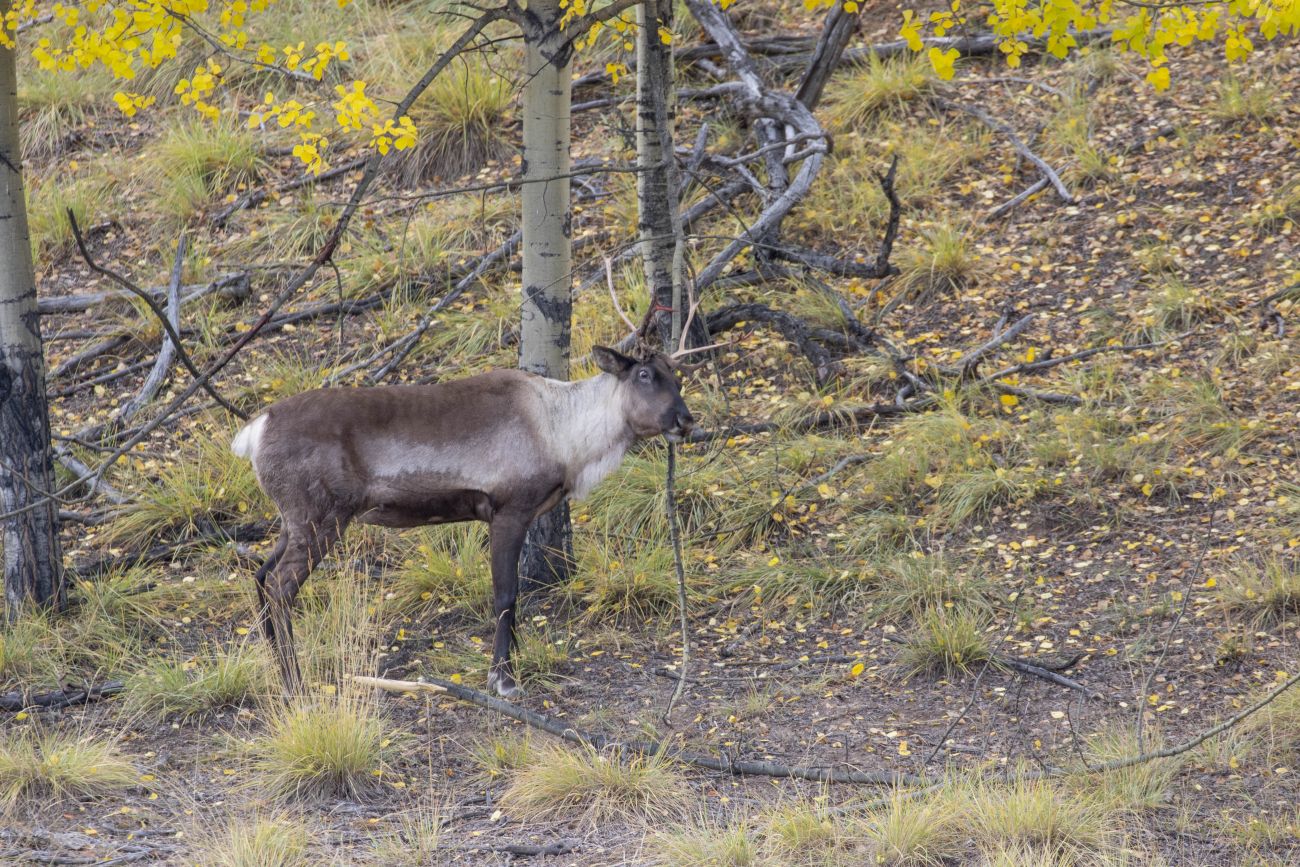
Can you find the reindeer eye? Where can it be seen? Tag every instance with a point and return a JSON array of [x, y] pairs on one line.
[[644, 374]]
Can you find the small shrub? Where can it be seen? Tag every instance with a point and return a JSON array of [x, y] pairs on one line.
[[49, 765], [600, 786]]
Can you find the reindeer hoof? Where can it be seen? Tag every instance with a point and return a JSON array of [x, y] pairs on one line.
[[504, 685]]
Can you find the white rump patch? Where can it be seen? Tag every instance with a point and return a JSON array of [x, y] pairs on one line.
[[249, 439]]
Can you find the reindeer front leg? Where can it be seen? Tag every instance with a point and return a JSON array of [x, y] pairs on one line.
[[507, 534]]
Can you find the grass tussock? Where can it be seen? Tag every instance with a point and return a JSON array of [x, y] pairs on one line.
[[417, 839], [43, 766], [1265, 594], [1138, 788], [1238, 101], [941, 262], [910, 833], [444, 569], [706, 844], [202, 486], [500, 754], [91, 199], [463, 120], [1035, 817], [191, 688], [888, 86], [945, 643], [911, 586], [199, 163], [332, 747], [262, 841], [600, 786]]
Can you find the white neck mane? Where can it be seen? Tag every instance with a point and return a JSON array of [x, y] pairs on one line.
[[589, 432]]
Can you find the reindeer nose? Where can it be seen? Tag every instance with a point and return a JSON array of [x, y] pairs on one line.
[[685, 420]]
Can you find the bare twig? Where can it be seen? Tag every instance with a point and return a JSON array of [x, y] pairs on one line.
[[674, 533], [1021, 148], [724, 763], [1173, 626], [200, 380], [169, 347]]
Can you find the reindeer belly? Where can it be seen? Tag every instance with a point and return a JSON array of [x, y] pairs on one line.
[[403, 508]]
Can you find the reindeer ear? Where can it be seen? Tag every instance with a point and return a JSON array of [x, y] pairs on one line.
[[611, 361]]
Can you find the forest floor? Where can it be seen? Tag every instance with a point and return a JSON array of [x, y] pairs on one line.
[[1131, 518]]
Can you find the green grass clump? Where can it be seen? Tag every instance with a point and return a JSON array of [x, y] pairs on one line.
[[941, 262], [332, 747], [416, 840], [878, 86], [463, 121], [1237, 100], [53, 107], [1265, 594], [945, 643], [912, 586], [444, 568], [202, 486], [625, 578], [1137, 788], [90, 198], [601, 786], [200, 163], [1278, 209], [189, 688], [909, 832], [499, 754], [706, 844], [1036, 816], [259, 842], [51, 765]]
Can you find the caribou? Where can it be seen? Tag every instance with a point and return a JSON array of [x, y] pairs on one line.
[[501, 447]]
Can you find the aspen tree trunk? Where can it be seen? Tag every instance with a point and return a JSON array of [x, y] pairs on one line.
[[546, 312], [33, 561], [658, 223]]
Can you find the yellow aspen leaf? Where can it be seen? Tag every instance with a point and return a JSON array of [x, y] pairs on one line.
[[857, 669], [1009, 400]]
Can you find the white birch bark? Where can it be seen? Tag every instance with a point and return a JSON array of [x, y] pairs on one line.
[[546, 311], [33, 561]]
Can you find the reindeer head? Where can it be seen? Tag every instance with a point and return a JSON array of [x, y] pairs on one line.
[[649, 392]]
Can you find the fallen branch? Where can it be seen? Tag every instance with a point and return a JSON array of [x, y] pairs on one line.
[[235, 286], [791, 327], [253, 198], [201, 380], [169, 347], [1020, 147], [574, 735], [59, 698]]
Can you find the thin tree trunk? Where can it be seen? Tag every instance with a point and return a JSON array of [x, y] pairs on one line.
[[547, 307], [33, 561], [659, 224]]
